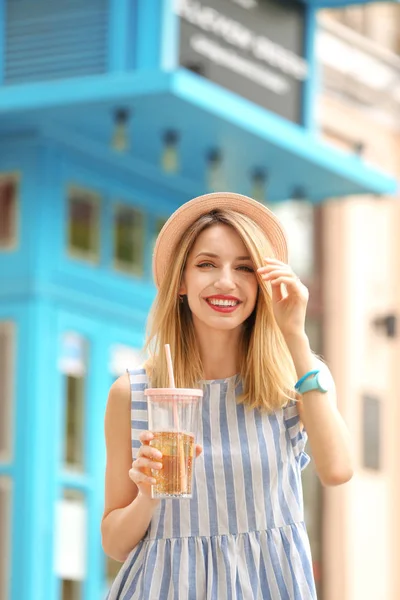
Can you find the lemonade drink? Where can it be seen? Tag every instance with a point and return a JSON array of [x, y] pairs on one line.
[[173, 416], [175, 478]]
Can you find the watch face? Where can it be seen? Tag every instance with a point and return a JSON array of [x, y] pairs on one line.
[[324, 380]]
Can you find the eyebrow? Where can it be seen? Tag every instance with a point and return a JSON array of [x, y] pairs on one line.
[[210, 254]]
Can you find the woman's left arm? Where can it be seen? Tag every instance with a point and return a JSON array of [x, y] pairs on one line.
[[326, 430], [327, 433]]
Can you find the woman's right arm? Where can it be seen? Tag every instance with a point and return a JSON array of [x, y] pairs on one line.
[[128, 505]]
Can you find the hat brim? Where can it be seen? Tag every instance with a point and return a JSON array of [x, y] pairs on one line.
[[188, 213]]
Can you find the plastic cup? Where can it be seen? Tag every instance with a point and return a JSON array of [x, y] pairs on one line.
[[173, 417]]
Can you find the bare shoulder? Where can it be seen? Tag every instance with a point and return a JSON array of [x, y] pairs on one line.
[[118, 404], [121, 386], [119, 489], [120, 390]]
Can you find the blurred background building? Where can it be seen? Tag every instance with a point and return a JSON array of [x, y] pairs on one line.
[[112, 114]]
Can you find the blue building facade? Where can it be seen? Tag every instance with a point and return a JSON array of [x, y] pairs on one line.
[[112, 114]]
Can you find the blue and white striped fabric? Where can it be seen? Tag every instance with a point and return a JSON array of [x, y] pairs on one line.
[[242, 535]]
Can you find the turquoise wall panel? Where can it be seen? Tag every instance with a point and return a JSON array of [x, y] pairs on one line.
[[47, 40]]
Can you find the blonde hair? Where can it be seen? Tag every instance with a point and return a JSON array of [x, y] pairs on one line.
[[267, 370]]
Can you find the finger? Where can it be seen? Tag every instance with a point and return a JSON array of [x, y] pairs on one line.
[[147, 463], [199, 450], [271, 260], [290, 282], [273, 271], [139, 477], [145, 437], [149, 452], [275, 265], [277, 294]]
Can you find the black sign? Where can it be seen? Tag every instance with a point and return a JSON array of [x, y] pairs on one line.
[[252, 47]]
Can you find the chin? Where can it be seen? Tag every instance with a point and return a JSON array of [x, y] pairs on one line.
[[227, 322], [222, 323]]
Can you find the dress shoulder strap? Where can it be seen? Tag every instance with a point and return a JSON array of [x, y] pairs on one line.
[[139, 420]]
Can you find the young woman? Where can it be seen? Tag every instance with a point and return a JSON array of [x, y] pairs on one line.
[[233, 313]]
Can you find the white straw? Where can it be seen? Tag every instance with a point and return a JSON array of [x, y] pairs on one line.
[[170, 368], [172, 383], [181, 451]]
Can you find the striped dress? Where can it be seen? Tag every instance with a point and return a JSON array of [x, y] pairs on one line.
[[242, 536]]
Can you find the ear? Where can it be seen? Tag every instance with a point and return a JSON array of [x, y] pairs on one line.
[[182, 288]]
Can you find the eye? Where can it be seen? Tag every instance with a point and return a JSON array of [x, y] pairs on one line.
[[205, 264], [246, 269]]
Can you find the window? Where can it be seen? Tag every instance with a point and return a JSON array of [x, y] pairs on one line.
[[74, 422], [297, 217], [379, 22], [71, 590], [6, 388], [129, 237], [8, 211], [5, 537], [159, 224], [73, 363], [83, 225], [71, 544], [371, 420]]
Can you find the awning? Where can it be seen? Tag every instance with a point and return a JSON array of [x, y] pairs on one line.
[[206, 116]]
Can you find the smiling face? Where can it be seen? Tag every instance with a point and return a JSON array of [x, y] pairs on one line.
[[219, 279]]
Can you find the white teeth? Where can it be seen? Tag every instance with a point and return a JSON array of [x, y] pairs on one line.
[[223, 302]]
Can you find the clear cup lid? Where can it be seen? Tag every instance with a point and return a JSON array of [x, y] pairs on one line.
[[173, 392]]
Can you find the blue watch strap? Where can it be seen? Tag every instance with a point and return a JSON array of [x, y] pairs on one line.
[[306, 376]]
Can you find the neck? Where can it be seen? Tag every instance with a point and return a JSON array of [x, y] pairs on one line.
[[219, 352]]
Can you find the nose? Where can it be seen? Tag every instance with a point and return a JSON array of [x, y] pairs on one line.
[[225, 282]]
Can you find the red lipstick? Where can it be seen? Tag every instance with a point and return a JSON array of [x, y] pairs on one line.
[[223, 304]]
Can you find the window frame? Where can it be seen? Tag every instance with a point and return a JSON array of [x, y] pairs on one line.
[[118, 265], [78, 467], [9, 327], [92, 258], [73, 362], [14, 244], [6, 485]]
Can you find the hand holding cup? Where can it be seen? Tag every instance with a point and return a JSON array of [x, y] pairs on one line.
[[148, 459]]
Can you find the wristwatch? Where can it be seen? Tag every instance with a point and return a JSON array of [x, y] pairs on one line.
[[318, 379]]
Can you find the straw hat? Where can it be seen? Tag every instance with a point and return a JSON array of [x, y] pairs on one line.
[[188, 213]]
